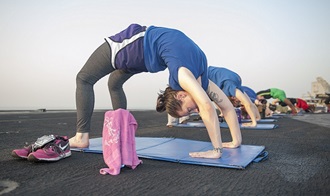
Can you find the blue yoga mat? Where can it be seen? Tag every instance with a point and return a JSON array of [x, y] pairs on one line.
[[274, 117], [225, 125], [260, 121], [258, 127], [177, 150]]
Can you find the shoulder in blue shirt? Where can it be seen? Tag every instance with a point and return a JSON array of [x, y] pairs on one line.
[[172, 49]]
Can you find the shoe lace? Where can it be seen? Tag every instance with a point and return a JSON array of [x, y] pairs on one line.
[[54, 148]]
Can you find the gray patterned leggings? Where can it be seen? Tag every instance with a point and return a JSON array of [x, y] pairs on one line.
[[97, 66]]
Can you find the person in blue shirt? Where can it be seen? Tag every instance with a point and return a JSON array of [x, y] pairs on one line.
[[231, 84], [253, 97], [139, 49], [251, 94]]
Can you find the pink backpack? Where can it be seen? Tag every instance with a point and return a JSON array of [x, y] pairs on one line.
[[118, 141]]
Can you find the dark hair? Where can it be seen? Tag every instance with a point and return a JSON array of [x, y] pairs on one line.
[[263, 101], [327, 101], [272, 107], [234, 101], [167, 101], [282, 103]]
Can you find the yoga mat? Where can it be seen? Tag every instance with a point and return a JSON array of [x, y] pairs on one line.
[[258, 127], [95, 144], [177, 150], [273, 117], [225, 125], [282, 115], [260, 121]]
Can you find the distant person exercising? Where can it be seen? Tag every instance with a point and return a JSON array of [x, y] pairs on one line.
[[140, 49], [253, 97], [251, 94], [230, 83], [276, 94], [297, 102], [327, 103]]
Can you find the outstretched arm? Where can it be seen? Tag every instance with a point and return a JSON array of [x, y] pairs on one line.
[[275, 101], [206, 110], [245, 100], [222, 101], [288, 102]]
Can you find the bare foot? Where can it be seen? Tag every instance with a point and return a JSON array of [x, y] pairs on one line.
[[80, 140], [249, 124]]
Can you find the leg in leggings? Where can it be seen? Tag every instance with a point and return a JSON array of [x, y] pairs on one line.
[[115, 84], [97, 66]]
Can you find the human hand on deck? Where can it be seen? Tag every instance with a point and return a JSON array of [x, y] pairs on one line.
[[210, 154], [249, 124], [229, 145]]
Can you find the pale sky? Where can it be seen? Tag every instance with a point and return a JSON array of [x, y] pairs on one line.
[[269, 43]]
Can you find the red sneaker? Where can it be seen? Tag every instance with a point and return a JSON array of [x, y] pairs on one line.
[[22, 153], [53, 151]]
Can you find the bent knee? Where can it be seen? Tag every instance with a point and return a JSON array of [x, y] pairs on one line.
[[85, 78]]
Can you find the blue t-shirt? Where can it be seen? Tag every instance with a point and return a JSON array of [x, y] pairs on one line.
[[227, 80], [251, 93], [172, 49]]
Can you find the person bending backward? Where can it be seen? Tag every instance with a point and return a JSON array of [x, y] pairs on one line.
[[253, 97], [276, 94], [327, 103], [297, 102], [251, 94], [231, 84], [140, 49]]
